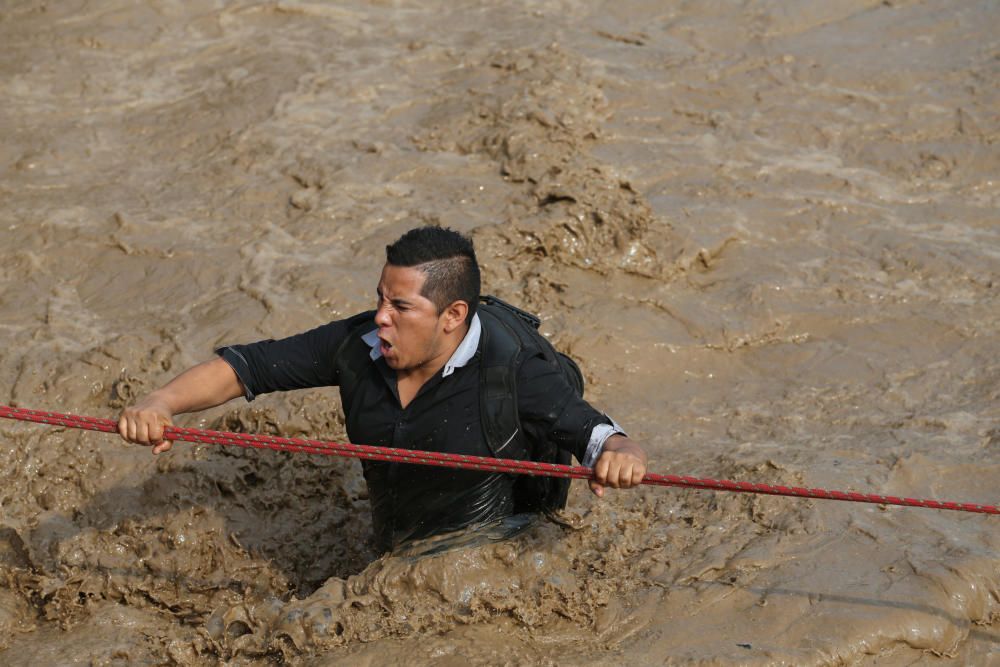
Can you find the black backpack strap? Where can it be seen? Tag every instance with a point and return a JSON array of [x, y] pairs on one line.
[[502, 351], [524, 315]]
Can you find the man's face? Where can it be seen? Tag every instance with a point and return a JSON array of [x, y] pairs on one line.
[[409, 326]]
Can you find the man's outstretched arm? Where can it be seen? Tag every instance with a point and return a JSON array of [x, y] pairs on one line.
[[204, 386]]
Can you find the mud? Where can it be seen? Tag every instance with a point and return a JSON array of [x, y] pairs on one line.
[[768, 232]]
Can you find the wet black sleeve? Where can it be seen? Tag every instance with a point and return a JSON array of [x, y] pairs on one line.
[[550, 409], [298, 362]]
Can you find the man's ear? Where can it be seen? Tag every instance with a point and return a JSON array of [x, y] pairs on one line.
[[454, 315]]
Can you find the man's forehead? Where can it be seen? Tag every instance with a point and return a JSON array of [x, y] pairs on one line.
[[401, 281]]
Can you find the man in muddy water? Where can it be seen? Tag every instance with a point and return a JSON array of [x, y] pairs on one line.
[[431, 368]]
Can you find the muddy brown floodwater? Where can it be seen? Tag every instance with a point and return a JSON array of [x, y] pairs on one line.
[[769, 231]]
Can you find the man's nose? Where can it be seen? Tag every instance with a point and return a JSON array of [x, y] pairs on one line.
[[382, 316]]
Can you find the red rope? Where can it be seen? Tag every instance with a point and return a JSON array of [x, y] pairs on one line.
[[472, 462]]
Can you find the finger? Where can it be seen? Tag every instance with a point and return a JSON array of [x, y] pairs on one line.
[[156, 433], [638, 473], [123, 427], [629, 477], [601, 470], [142, 432], [163, 447], [623, 476], [614, 474], [597, 488], [132, 431]]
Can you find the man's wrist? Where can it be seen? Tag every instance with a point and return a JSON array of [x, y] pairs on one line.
[[598, 438]]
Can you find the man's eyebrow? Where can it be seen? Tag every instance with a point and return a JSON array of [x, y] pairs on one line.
[[397, 301]]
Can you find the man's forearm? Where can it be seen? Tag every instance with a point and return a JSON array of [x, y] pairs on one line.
[[200, 387]]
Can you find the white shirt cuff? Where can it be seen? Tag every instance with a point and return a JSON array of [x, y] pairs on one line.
[[598, 437]]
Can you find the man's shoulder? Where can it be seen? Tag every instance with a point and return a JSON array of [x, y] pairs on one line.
[[354, 329], [328, 340], [343, 326], [355, 322]]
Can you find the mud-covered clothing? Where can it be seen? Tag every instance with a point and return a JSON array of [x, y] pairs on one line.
[[413, 501]]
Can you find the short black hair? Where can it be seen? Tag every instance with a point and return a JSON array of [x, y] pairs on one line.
[[447, 258]]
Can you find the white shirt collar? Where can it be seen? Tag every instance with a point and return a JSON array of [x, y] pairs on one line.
[[462, 355]]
